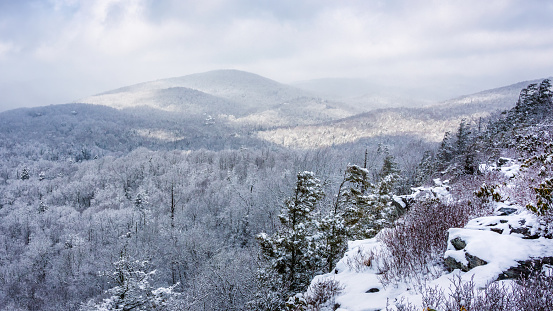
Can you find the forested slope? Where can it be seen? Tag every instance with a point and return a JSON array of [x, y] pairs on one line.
[[481, 240], [94, 199]]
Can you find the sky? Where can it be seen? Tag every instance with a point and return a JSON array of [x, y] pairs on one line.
[[57, 51]]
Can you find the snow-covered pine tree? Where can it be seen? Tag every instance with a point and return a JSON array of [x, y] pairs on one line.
[[344, 219], [352, 202], [292, 251], [132, 289], [446, 152], [25, 174], [425, 169]]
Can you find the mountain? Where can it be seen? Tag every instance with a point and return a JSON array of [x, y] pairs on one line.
[[232, 96], [235, 109], [69, 130], [501, 98], [171, 185], [428, 123]]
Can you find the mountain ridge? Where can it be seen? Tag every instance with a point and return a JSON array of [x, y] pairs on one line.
[[224, 101], [254, 99]]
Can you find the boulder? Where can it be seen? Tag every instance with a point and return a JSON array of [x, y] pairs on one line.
[[471, 263], [526, 268], [458, 243]]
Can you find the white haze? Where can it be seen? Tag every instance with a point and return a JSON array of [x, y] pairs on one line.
[[56, 51]]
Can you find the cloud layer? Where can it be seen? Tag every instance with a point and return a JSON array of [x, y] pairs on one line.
[[59, 50]]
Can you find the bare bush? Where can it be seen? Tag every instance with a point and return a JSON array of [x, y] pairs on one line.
[[495, 297], [361, 260], [322, 294], [414, 247], [534, 293], [530, 294]]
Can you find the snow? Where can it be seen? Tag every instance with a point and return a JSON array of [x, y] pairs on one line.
[[508, 167], [358, 278], [500, 251], [439, 192], [506, 224], [502, 241], [399, 201]]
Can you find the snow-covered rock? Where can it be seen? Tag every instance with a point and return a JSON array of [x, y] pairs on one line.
[[507, 166], [357, 273], [499, 247]]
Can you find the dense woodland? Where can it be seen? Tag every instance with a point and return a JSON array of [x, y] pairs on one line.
[[95, 216]]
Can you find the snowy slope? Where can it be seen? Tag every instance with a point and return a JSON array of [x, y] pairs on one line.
[[236, 96], [486, 249]]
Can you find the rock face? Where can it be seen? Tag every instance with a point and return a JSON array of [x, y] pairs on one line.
[[510, 221], [525, 268], [402, 203], [464, 264], [508, 246], [458, 243]]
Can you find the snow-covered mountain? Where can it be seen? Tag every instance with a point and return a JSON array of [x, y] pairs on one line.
[[161, 188], [364, 94], [501, 98], [429, 122], [237, 97], [226, 104]]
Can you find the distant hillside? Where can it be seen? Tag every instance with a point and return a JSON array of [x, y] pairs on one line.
[[231, 108], [364, 94], [60, 131], [428, 123], [233, 96], [502, 98]]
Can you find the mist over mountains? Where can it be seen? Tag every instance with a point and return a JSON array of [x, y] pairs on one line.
[[232, 109], [179, 185]]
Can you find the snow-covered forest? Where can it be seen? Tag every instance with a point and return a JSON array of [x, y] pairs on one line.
[[150, 209]]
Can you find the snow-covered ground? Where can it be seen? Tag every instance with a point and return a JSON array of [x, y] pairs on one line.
[[484, 251], [362, 290]]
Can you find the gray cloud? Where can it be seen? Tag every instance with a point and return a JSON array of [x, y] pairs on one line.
[[60, 50]]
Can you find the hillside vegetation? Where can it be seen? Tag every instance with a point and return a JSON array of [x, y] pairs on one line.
[[141, 207], [481, 240]]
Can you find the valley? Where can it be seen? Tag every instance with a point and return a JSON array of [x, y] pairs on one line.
[[180, 193]]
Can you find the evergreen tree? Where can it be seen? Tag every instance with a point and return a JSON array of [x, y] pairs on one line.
[[25, 174], [457, 154], [345, 218], [446, 152], [544, 92], [132, 289], [462, 136], [465, 149], [389, 175], [352, 203], [426, 168], [292, 251]]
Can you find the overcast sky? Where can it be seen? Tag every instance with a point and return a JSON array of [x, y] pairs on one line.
[[57, 51]]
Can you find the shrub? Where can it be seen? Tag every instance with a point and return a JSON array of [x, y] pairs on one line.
[[361, 260], [323, 293], [319, 296], [414, 247], [529, 294]]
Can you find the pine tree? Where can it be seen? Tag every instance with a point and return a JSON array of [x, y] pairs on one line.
[[132, 289], [462, 136], [292, 251], [465, 149], [457, 154], [25, 174], [446, 152], [389, 166], [345, 218], [426, 168]]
